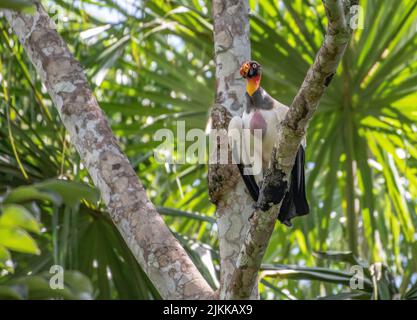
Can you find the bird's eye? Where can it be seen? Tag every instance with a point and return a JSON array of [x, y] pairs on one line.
[[254, 66]]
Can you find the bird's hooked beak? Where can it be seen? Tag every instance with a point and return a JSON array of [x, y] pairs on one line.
[[244, 69]]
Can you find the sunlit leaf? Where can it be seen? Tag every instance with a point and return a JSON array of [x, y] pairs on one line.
[[14, 216], [18, 240]]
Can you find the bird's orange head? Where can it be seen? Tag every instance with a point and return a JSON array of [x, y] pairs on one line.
[[252, 72], [250, 69]]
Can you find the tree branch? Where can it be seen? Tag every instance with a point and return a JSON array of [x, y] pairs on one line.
[[155, 248], [290, 135]]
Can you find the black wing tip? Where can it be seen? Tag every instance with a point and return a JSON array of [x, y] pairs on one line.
[[250, 183]]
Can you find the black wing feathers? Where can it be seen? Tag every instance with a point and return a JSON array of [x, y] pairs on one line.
[[250, 183], [295, 201]]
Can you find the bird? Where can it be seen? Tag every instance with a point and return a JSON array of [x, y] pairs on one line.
[[260, 120]]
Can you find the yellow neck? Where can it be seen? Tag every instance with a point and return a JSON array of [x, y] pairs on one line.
[[252, 85]]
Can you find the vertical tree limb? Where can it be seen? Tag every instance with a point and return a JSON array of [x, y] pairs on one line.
[[291, 132], [226, 188], [158, 252]]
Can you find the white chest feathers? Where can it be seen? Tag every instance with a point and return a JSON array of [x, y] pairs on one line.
[[268, 121]]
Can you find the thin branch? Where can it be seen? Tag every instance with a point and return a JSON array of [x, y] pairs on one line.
[[290, 135], [158, 252]]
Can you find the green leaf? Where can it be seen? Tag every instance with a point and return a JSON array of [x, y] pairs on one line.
[[347, 296], [76, 286], [26, 5], [306, 273], [348, 257], [12, 292], [5, 257], [412, 293], [39, 288], [30, 193], [179, 213], [14, 216], [79, 284], [18, 240], [71, 192]]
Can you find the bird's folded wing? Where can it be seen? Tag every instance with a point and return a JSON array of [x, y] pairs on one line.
[[239, 144], [295, 201]]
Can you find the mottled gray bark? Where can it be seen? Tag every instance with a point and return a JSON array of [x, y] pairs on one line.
[[290, 134], [226, 188], [155, 248]]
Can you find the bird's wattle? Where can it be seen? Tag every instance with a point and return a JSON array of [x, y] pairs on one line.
[[253, 84], [258, 122]]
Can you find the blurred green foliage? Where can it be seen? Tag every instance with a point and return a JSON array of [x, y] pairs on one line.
[[20, 5], [150, 64]]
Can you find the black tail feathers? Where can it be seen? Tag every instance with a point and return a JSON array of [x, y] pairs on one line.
[[295, 201]]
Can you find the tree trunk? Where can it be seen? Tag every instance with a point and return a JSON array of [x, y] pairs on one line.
[[227, 190]]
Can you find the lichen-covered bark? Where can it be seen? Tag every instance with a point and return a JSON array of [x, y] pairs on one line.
[[290, 135], [156, 249], [226, 188], [232, 48]]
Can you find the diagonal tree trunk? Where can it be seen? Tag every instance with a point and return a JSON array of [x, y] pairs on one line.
[[158, 252]]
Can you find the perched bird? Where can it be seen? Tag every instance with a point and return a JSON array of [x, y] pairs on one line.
[[263, 115]]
